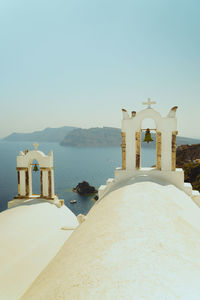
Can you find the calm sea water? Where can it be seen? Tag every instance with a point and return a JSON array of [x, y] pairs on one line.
[[71, 165]]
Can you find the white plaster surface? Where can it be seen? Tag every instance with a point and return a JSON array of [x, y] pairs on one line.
[[144, 174], [139, 242], [23, 160], [30, 236]]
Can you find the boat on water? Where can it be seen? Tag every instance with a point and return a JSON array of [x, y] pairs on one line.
[[73, 201]]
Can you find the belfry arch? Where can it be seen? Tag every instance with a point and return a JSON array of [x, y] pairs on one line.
[[156, 118], [165, 171], [36, 177], [24, 171], [24, 176], [166, 131], [151, 125]]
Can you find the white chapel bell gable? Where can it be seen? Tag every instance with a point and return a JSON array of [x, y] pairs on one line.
[[24, 175], [166, 131], [165, 170]]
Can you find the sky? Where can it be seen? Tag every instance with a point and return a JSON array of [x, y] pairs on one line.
[[79, 62]]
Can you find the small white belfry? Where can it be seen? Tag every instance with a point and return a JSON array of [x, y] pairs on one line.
[[166, 131], [165, 169], [24, 176]]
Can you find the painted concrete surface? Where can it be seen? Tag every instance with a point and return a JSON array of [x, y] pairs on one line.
[[141, 241], [31, 236]]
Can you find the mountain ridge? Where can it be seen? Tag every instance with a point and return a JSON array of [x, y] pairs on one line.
[[53, 135], [109, 137], [79, 137]]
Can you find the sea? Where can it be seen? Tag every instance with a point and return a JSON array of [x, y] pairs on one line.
[[71, 166]]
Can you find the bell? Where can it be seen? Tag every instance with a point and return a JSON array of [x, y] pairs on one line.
[[148, 137], [35, 168]]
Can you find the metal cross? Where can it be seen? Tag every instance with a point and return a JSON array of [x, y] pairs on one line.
[[149, 102], [36, 145]]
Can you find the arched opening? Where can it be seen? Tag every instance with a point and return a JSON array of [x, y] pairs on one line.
[[148, 150], [35, 181]]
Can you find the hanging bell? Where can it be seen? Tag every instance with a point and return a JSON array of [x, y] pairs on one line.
[[35, 168], [148, 137]]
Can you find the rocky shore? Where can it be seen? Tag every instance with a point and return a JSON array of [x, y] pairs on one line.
[[188, 158]]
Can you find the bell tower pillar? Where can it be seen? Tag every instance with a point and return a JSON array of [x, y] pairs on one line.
[[123, 145], [158, 149], [174, 134], [138, 150]]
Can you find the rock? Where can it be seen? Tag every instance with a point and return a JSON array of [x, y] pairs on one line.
[[96, 197], [84, 188]]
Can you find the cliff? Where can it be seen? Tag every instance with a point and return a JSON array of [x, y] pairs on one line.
[[187, 154], [188, 158]]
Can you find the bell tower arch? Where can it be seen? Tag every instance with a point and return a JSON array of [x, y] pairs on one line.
[[24, 176], [165, 171], [166, 131]]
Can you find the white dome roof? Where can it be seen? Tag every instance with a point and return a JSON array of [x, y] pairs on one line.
[[31, 235], [141, 241]]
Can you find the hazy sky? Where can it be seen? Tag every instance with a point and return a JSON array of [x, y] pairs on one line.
[[78, 62]]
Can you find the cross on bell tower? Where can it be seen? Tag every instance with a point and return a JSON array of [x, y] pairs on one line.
[[35, 145], [148, 103]]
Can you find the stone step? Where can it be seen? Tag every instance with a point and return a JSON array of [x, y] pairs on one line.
[[101, 190], [196, 197], [195, 193], [109, 181], [188, 188], [102, 187]]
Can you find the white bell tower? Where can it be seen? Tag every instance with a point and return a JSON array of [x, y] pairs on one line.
[[165, 171], [166, 131], [24, 177]]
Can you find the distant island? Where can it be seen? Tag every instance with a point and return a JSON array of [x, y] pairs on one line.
[[49, 135], [93, 137], [109, 137], [78, 137]]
